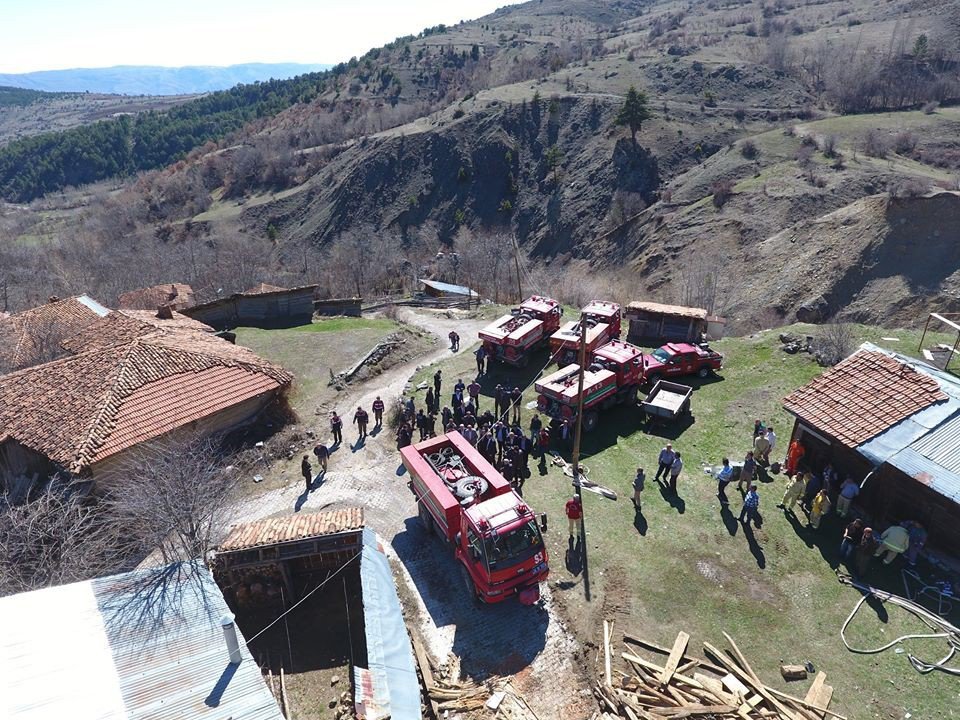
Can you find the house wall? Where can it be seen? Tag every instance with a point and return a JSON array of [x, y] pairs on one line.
[[349, 307], [227, 419], [267, 310], [657, 327]]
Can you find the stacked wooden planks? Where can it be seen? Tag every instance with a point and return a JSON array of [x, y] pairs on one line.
[[684, 686]]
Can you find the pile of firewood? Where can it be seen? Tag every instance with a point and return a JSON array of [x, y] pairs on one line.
[[455, 695], [689, 687]]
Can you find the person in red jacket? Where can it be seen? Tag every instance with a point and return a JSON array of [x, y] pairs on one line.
[[378, 411], [574, 513]]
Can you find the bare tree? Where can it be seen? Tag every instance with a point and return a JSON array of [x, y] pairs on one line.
[[834, 342], [700, 282], [55, 538], [173, 498]]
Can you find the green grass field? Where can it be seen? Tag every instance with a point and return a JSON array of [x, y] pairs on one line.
[[685, 565]]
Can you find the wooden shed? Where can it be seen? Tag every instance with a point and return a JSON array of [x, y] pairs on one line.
[[652, 322], [259, 307], [351, 307]]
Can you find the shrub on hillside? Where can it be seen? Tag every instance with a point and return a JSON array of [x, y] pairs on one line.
[[930, 108], [722, 191], [828, 146], [905, 142], [749, 150], [910, 188], [876, 144]]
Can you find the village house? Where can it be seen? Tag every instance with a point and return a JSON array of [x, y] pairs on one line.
[[158, 643], [176, 296], [82, 415], [893, 424], [263, 306], [654, 323]]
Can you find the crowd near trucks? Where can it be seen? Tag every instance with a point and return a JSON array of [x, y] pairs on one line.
[[464, 500], [512, 338], [603, 324]]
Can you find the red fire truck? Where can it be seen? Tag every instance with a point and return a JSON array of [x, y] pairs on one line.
[[613, 377], [511, 338], [462, 498], [603, 325]]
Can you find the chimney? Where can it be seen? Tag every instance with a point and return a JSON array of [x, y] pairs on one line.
[[165, 312], [53, 299], [230, 635]]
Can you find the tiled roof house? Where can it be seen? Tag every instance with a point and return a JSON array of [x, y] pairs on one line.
[[35, 335], [82, 413], [175, 295]]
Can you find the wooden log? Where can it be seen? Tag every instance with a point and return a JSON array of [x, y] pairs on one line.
[[673, 660], [426, 672], [706, 665], [283, 695], [694, 710]]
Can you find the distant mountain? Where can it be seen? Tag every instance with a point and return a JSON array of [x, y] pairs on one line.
[[155, 80]]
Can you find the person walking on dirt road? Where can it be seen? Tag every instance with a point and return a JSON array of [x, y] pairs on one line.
[[361, 418], [322, 453], [378, 411], [336, 427], [454, 340], [307, 471]]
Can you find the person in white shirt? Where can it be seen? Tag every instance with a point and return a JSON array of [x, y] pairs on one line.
[[675, 469], [848, 491], [772, 439]]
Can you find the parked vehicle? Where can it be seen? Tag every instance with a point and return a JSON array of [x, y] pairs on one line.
[[612, 378], [462, 498], [603, 324], [512, 338], [676, 359], [667, 401]]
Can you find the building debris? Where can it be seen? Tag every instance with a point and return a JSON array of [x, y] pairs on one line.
[[686, 686]]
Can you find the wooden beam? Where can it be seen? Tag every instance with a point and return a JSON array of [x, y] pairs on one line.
[[425, 671], [819, 693], [746, 676], [666, 651], [658, 669], [808, 705], [679, 647], [607, 664]]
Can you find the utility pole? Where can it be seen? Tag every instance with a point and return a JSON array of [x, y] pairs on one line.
[[516, 262], [582, 360]]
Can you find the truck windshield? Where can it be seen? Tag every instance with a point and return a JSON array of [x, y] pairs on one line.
[[513, 547], [661, 355]]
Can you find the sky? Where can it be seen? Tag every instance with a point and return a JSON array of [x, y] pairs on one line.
[[59, 34]]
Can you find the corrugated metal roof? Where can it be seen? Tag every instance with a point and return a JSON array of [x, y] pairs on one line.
[[89, 302], [941, 480], [448, 287], [145, 644]]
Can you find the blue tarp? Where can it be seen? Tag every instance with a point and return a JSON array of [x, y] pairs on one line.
[[390, 667]]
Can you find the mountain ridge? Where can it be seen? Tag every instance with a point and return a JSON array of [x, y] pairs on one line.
[[155, 79]]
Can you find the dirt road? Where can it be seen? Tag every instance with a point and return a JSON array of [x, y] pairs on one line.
[[530, 645]]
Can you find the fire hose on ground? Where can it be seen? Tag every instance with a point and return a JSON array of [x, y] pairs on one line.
[[942, 628]]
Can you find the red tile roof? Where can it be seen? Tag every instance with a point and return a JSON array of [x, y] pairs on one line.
[[177, 295], [290, 528], [81, 409], [123, 326], [862, 396], [39, 331]]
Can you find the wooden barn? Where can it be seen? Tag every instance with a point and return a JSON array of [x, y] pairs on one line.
[[654, 323], [334, 307], [893, 424], [265, 306]]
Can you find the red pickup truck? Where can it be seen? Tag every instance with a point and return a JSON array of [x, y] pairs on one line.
[[675, 359]]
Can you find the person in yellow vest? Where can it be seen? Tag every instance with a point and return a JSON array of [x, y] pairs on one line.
[[894, 541], [819, 507], [793, 492]]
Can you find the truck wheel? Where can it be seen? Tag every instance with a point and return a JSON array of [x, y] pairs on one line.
[[468, 583], [590, 421], [703, 372], [426, 519], [523, 361]]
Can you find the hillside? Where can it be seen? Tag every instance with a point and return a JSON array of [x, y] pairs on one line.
[[154, 80], [766, 118], [24, 113]]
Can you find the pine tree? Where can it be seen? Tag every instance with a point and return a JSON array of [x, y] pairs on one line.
[[634, 111]]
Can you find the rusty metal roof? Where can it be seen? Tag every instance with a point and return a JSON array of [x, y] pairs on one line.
[[661, 309], [145, 644], [291, 528]]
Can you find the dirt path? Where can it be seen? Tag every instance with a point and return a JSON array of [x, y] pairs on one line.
[[532, 646]]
